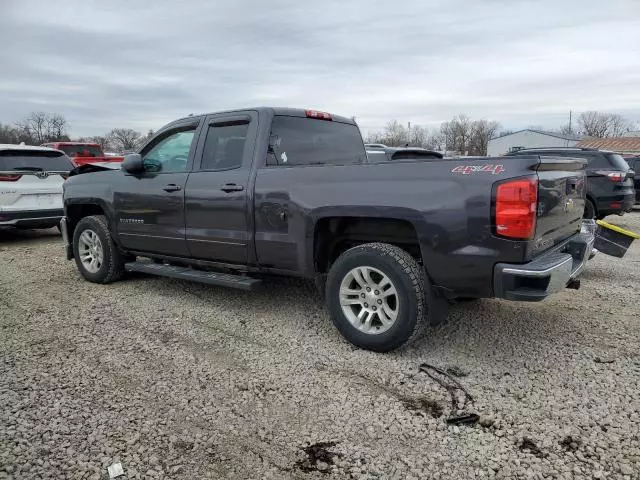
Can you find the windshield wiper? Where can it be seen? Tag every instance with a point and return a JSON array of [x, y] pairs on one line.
[[32, 169]]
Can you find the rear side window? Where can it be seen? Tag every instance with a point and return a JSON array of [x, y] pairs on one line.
[[308, 141], [617, 161], [224, 146], [25, 160], [81, 150]]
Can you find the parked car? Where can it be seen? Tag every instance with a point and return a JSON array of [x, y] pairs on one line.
[[31, 181], [228, 197], [82, 153], [381, 153], [609, 179], [634, 164]]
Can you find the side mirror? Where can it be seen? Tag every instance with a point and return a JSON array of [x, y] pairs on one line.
[[132, 163]]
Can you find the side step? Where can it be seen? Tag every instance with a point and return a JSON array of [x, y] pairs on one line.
[[184, 273]]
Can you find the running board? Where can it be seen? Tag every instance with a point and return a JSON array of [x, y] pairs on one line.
[[185, 273]]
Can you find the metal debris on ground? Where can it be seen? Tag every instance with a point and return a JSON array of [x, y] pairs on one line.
[[115, 470], [458, 414]]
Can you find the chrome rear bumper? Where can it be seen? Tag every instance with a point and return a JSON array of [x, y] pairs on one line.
[[547, 274]]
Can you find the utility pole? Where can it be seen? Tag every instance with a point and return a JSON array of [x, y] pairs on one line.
[[409, 134], [570, 129]]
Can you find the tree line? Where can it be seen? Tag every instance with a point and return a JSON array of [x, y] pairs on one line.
[[460, 134], [43, 127], [471, 137]]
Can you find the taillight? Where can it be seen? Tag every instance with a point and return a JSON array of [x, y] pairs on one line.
[[9, 178], [614, 176], [515, 208], [318, 115]]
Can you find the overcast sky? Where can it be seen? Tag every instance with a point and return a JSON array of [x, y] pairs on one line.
[[141, 64]]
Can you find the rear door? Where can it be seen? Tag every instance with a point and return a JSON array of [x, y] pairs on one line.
[[217, 223], [300, 148], [150, 205], [31, 181]]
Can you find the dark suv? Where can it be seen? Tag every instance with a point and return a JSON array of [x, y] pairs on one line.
[[610, 187]]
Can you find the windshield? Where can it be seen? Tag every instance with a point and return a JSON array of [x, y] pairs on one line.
[[81, 150], [617, 161], [47, 161]]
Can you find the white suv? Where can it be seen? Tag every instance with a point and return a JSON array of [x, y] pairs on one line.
[[31, 181]]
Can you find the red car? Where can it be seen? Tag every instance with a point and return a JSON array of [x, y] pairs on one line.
[[82, 153]]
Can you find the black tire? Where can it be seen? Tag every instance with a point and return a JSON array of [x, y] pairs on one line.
[[589, 210], [112, 267], [413, 295]]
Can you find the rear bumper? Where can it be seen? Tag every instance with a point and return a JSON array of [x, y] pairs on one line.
[[547, 274], [26, 218], [64, 230], [623, 203]]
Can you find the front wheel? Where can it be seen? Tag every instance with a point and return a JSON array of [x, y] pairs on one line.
[[97, 257], [377, 295]]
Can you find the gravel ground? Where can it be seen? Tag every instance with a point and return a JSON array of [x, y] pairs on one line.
[[180, 380]]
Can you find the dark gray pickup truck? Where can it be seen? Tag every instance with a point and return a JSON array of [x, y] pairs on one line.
[[229, 198]]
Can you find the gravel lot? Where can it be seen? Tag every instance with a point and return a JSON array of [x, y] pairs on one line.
[[179, 380]]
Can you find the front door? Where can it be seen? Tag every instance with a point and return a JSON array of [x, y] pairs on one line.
[[150, 205], [216, 195]]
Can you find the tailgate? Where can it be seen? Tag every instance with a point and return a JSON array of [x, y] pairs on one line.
[[562, 189]]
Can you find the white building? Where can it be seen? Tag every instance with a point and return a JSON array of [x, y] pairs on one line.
[[528, 138]]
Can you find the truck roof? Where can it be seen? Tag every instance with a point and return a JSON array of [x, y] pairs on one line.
[[291, 112]]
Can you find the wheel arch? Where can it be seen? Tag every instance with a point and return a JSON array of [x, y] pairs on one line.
[[75, 211], [334, 234]]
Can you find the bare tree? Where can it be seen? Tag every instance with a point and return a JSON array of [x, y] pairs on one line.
[[481, 132], [457, 134], [34, 127], [103, 140], [9, 134], [619, 126], [57, 127], [567, 129], [124, 138], [600, 125], [142, 141], [40, 127], [396, 134]]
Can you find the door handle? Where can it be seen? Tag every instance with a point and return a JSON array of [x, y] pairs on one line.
[[172, 187], [232, 187]]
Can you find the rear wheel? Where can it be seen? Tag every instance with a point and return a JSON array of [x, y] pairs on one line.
[[589, 210], [96, 255], [377, 295]]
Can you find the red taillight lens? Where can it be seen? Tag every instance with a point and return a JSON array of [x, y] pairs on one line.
[[318, 115], [9, 178], [516, 202], [613, 176], [616, 176]]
